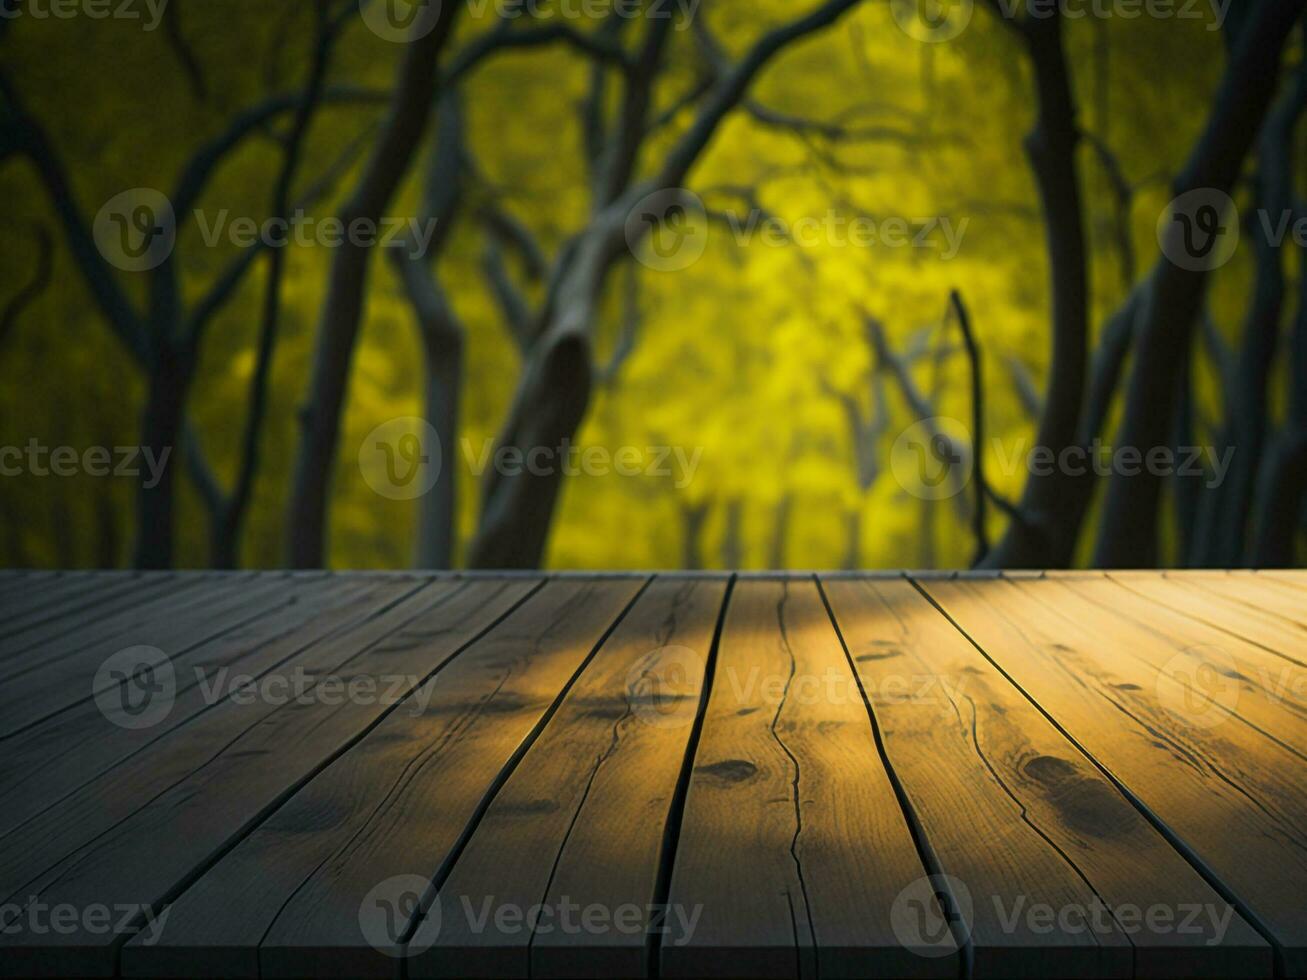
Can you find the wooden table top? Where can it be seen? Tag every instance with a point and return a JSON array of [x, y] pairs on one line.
[[307, 774]]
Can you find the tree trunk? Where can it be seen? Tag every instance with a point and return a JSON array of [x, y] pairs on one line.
[[733, 535], [437, 514], [1286, 489], [306, 518], [161, 429], [1128, 530], [852, 560], [1046, 537], [518, 498], [781, 532], [693, 518]]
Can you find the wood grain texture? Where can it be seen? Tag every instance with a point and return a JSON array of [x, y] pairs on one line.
[[1228, 796], [395, 805], [176, 623], [1254, 685], [581, 822], [979, 763], [792, 848], [1274, 605], [58, 636], [43, 764], [140, 833]]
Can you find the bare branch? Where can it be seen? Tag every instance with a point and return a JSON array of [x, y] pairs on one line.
[[29, 136], [172, 28], [199, 170], [32, 290], [628, 330], [730, 89], [504, 38]]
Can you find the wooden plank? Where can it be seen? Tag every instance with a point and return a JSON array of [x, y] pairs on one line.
[[21, 605], [1296, 578], [42, 765], [582, 820], [85, 598], [793, 847], [1267, 599], [176, 626], [137, 836], [1229, 610], [31, 640], [1229, 797], [978, 762], [393, 808], [1255, 687], [66, 638]]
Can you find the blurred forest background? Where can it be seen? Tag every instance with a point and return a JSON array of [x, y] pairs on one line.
[[775, 393]]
